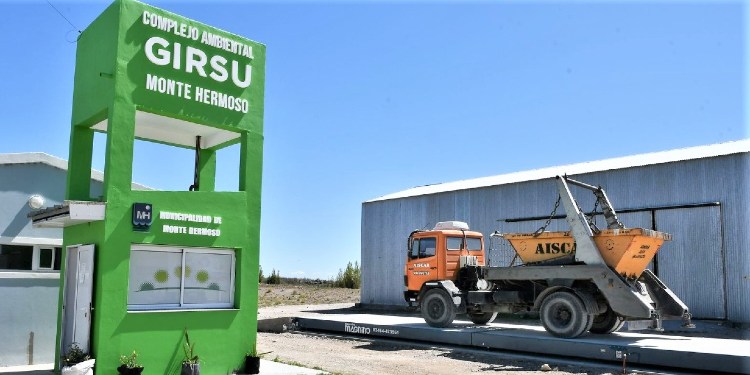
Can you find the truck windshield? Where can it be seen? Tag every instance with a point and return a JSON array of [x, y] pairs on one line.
[[472, 244], [454, 243]]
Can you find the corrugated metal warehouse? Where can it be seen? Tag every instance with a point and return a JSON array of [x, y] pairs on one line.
[[699, 195]]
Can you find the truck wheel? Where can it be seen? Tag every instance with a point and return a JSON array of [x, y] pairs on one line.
[[564, 315], [607, 322], [482, 318], [437, 308]]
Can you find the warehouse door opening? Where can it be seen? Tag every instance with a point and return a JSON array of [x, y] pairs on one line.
[[692, 264]]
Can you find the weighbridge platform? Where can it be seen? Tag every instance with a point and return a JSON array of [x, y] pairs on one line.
[[710, 347]]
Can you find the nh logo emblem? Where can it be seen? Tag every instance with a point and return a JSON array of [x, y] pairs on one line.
[[142, 216]]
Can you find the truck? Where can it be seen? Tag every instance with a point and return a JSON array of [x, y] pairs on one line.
[[583, 280]]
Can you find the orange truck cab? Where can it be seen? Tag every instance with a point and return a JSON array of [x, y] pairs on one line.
[[438, 254]]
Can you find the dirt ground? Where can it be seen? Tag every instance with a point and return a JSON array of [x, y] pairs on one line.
[[282, 295], [346, 355], [343, 355]]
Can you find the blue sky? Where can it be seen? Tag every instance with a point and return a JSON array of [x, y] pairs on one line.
[[368, 98]]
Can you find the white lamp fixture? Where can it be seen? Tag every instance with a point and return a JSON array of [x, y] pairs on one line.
[[36, 201]]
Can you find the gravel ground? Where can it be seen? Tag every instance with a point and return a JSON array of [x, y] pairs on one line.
[[349, 355], [276, 295], [346, 355], [352, 355]]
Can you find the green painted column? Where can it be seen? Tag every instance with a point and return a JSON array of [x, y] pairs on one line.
[[79, 163], [166, 261], [207, 170]]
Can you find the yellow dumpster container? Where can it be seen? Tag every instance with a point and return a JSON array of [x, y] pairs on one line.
[[628, 251]]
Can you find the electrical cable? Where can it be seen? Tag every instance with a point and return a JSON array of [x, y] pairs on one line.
[[66, 19]]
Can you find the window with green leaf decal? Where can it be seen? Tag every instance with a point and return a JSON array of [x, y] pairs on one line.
[[180, 278]]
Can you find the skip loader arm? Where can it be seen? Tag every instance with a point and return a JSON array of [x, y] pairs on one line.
[[586, 250], [648, 297]]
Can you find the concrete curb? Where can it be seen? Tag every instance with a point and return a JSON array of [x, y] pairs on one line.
[[266, 368], [274, 325]]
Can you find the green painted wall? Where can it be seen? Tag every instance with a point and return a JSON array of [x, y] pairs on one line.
[[118, 56]]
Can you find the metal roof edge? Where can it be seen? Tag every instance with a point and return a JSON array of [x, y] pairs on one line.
[[32, 158], [638, 160], [55, 162]]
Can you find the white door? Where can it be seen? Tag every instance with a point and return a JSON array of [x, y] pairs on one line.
[[79, 284]]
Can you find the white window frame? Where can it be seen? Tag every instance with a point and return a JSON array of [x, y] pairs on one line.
[[35, 272], [36, 260], [181, 305]]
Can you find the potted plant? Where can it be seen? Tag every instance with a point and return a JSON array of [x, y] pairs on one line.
[[190, 364], [76, 361], [252, 361], [74, 355], [129, 365]]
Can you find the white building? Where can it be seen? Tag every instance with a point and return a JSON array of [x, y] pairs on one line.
[[30, 257]]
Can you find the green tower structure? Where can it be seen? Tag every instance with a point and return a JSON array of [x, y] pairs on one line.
[[143, 266]]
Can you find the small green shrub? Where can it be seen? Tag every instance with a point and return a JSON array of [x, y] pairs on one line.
[[348, 278], [130, 361], [74, 355], [189, 349], [275, 278]]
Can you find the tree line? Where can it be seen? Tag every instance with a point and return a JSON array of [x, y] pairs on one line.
[[350, 277]]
